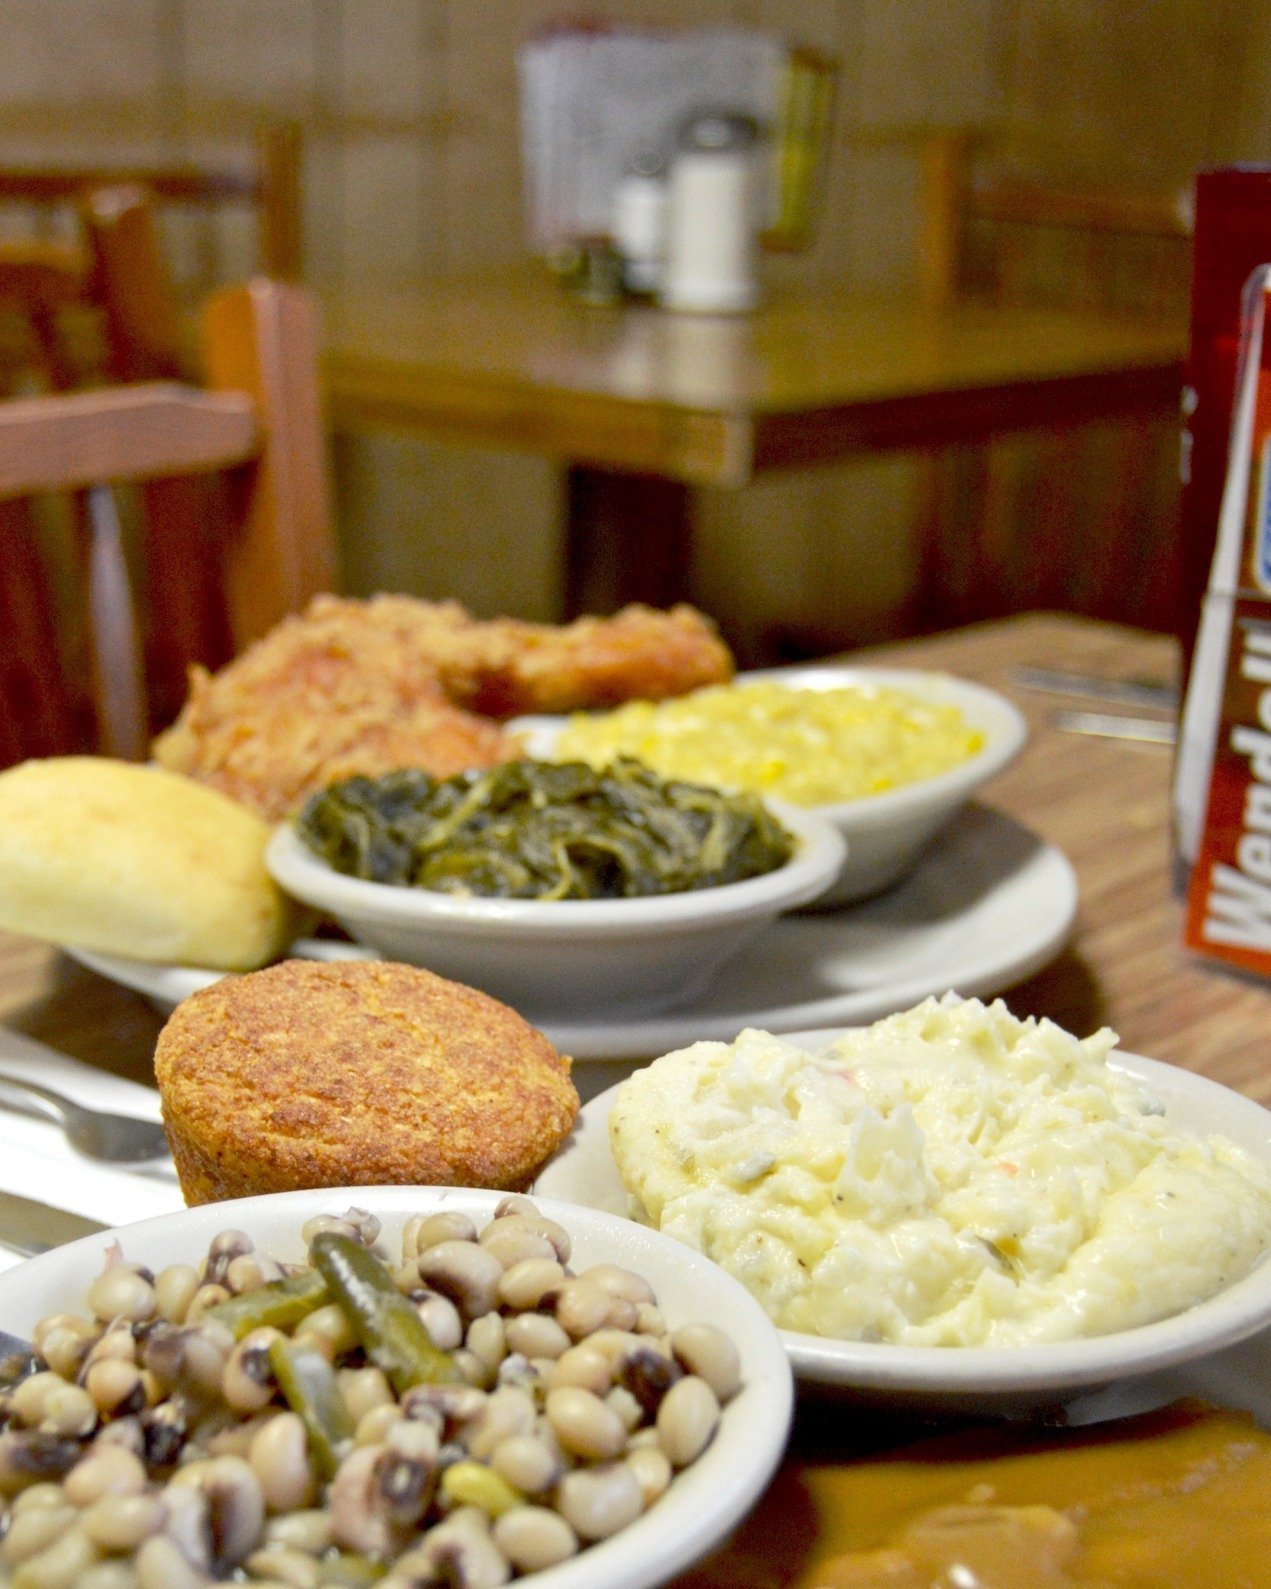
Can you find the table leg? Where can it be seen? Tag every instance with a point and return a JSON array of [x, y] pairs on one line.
[[628, 538]]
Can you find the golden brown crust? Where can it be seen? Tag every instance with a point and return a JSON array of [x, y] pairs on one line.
[[372, 686], [356, 1073]]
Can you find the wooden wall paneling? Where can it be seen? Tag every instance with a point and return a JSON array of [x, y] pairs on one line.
[[450, 521], [389, 86]]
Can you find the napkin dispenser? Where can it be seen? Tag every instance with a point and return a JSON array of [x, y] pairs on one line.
[[713, 219]]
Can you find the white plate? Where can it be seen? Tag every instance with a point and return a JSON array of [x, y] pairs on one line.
[[557, 960], [704, 1501], [987, 906], [1004, 1379]]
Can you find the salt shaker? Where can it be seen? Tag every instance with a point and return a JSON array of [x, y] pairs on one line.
[[639, 223], [712, 215]]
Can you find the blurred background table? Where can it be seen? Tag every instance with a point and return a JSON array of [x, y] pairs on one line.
[[642, 405], [1104, 802]]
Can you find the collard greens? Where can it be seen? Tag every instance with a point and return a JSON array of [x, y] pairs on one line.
[[543, 830]]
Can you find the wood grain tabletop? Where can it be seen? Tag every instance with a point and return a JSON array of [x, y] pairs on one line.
[[1105, 803], [509, 359]]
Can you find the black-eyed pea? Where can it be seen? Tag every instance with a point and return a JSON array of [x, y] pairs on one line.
[[249, 1271], [373, 1425], [500, 1229], [107, 1470], [108, 1575], [205, 1348], [224, 1248], [329, 1325], [279, 1457], [508, 1411], [687, 1418], [69, 1410], [33, 1530], [120, 1523], [465, 1273], [652, 1469], [648, 1374], [585, 1366], [174, 1289], [29, 1397], [308, 1530], [247, 1381], [61, 1566], [708, 1352], [235, 1439], [649, 1320], [161, 1564], [597, 1501], [534, 1537], [528, 1462], [515, 1203], [536, 1335], [513, 1242], [39, 1495], [64, 1342], [583, 1308], [364, 1389], [527, 1283], [430, 1230], [294, 1569], [473, 1371], [115, 1387], [487, 1339], [585, 1425], [208, 1296], [441, 1319], [28, 1457], [620, 1282], [120, 1292], [626, 1406], [234, 1503], [613, 1343], [118, 1342]]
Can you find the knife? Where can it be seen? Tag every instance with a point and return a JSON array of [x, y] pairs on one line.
[[30, 1227]]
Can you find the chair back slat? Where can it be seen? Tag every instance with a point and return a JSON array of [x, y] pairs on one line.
[[73, 440]]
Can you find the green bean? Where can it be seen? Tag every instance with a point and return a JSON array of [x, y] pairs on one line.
[[388, 1325], [281, 1303], [309, 1386]]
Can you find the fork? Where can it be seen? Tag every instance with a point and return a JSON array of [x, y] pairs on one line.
[[112, 1138]]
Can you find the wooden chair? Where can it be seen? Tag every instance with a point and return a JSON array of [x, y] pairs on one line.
[[1082, 520], [270, 185], [256, 423]]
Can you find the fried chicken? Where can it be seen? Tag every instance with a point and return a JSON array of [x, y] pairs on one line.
[[331, 693], [372, 686], [504, 667]]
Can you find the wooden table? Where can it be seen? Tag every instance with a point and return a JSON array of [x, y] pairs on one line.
[[642, 404], [1104, 802]]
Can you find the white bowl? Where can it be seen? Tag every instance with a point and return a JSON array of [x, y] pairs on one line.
[[568, 956], [1010, 1379], [885, 833], [704, 1501]]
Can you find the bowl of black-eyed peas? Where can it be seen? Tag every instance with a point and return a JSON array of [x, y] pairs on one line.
[[401, 1386]]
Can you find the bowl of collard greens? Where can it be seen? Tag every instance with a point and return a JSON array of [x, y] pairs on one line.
[[556, 887]]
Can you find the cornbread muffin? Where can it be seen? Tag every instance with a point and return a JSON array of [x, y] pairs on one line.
[[356, 1073], [127, 860]]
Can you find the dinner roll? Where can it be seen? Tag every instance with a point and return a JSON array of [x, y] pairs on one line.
[[320, 1073], [129, 860]]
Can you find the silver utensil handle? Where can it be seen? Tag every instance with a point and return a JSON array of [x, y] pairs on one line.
[[32, 1099]]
